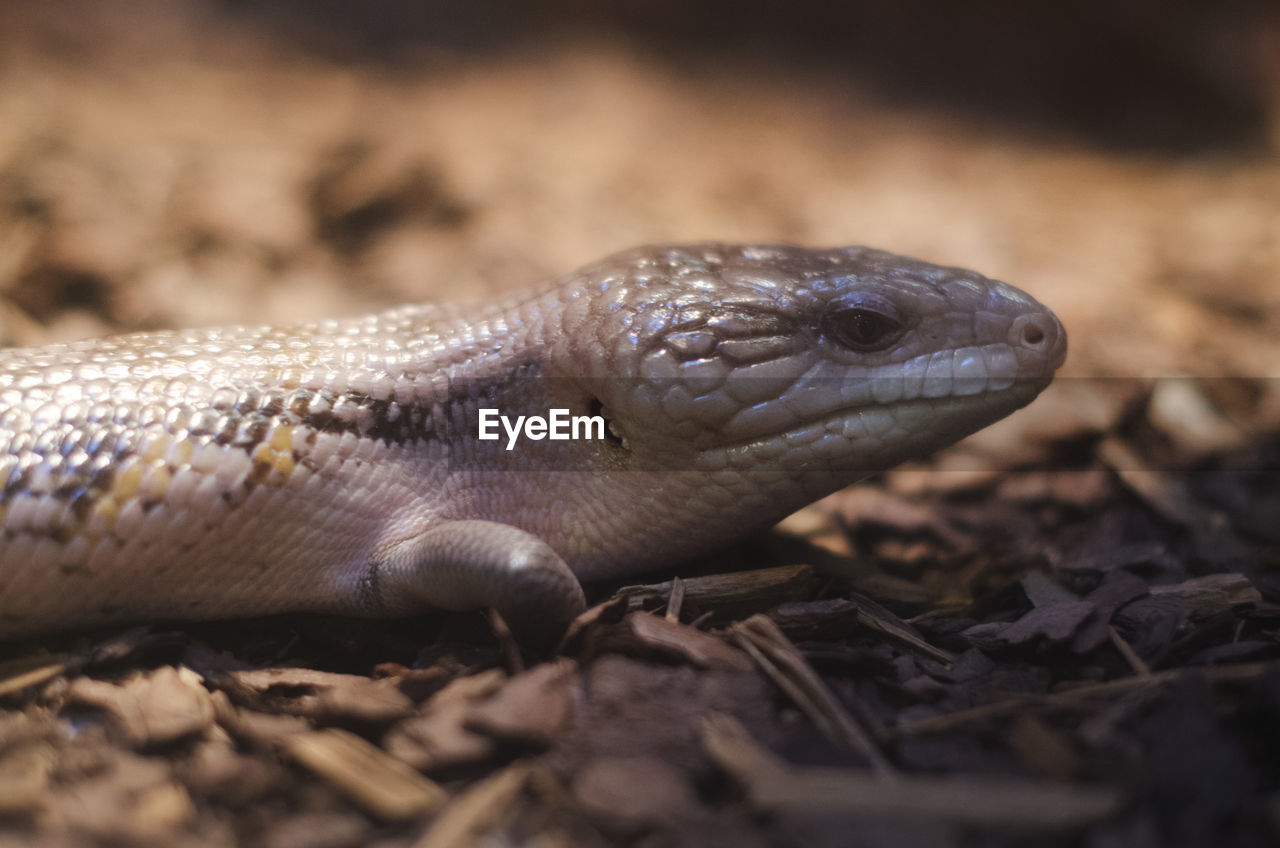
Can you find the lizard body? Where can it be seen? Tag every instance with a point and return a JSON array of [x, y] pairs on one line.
[[336, 466]]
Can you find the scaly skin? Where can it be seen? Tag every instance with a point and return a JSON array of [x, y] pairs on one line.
[[335, 466]]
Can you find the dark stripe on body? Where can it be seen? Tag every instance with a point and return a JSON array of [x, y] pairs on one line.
[[244, 424]]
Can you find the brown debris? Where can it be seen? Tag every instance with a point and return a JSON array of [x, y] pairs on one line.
[[128, 799], [1060, 617], [476, 810], [803, 620], [259, 728], [787, 667], [641, 708], [1184, 411], [217, 771], [530, 707], [734, 593], [1074, 695], [1055, 623], [150, 709], [1043, 749], [24, 777], [627, 793], [437, 737], [380, 784], [21, 728], [1212, 593], [325, 695], [964, 799], [317, 830], [583, 628], [417, 684], [1173, 500], [671, 639]]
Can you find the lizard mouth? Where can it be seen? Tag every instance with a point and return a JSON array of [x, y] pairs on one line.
[[862, 439]]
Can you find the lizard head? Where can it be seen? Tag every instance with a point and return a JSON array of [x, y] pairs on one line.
[[787, 360], [740, 383]]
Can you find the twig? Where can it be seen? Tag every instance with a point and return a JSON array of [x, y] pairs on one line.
[[787, 667], [676, 601], [969, 799], [1074, 698], [1139, 666]]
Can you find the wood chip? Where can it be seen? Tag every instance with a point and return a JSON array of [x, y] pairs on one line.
[[633, 792], [1169, 497], [530, 707], [476, 810], [380, 784], [582, 629], [24, 776], [149, 709], [1076, 697], [1211, 593], [127, 799], [265, 730], [163, 809], [799, 620], [417, 683], [809, 521], [756, 589], [326, 695], [437, 737], [1043, 592], [1181, 409], [678, 640], [1042, 748], [1052, 624], [32, 726], [216, 770], [317, 830], [974, 800]]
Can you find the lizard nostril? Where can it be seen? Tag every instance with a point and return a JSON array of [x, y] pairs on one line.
[[1033, 334], [1040, 335], [1034, 331]]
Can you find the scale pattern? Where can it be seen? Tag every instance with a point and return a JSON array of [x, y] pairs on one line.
[[244, 470]]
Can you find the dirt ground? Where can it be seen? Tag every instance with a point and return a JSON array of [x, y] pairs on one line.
[[1062, 631]]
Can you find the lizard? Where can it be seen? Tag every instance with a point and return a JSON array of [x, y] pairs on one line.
[[336, 466]]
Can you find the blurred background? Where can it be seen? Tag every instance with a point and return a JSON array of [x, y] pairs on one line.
[[190, 162]]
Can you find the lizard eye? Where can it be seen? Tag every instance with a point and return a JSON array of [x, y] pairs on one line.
[[862, 329]]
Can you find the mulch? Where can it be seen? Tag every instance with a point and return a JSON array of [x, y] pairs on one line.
[[1093, 657]]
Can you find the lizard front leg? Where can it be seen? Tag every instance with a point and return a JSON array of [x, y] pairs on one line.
[[465, 565]]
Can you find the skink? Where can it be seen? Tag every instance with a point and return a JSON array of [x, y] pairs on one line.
[[336, 466]]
